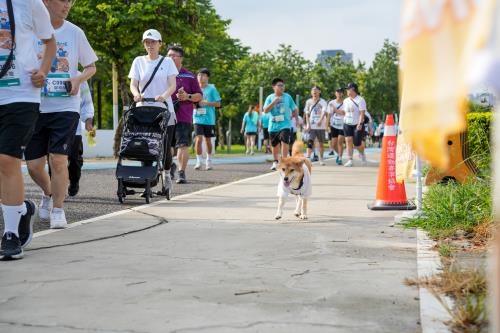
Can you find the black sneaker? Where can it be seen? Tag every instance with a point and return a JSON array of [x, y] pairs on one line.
[[26, 224], [331, 153], [11, 247], [173, 169], [73, 189], [182, 177], [315, 158]]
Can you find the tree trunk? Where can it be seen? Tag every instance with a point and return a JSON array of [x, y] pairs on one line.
[[221, 134]]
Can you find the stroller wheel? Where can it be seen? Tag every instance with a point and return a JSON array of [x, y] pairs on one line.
[[167, 193], [148, 192], [121, 191], [120, 198]]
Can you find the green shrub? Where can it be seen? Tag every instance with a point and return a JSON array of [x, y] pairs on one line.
[[479, 129], [450, 207]]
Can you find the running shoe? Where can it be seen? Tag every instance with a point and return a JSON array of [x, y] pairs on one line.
[[363, 158], [331, 153], [315, 158], [340, 162], [209, 165], [11, 247], [349, 164], [26, 224], [197, 166], [58, 219], [45, 208], [182, 177], [274, 166], [337, 160], [321, 162]]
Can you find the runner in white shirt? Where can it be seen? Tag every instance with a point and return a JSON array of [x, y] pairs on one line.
[[336, 122], [354, 116], [315, 114], [59, 112], [20, 82]]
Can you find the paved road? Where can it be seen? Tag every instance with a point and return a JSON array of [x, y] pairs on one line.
[[98, 190], [218, 262]]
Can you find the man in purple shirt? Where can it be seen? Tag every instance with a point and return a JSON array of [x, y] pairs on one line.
[[188, 92]]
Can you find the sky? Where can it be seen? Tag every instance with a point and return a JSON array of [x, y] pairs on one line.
[[358, 26]]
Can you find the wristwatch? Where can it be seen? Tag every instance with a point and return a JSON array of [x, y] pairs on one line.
[[189, 96]]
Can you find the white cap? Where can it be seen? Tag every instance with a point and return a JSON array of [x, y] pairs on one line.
[[151, 34]]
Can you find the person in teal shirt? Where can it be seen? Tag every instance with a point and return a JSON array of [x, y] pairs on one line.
[[265, 117], [281, 108], [249, 127], [204, 118]]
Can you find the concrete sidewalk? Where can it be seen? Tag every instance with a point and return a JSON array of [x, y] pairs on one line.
[[223, 264]]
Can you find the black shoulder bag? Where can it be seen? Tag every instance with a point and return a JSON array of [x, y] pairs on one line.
[[10, 59], [152, 75]]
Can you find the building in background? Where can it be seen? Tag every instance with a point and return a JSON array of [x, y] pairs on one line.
[[325, 54]]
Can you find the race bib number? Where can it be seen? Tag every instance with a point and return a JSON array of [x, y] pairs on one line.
[[55, 85], [12, 77], [201, 112], [315, 119], [279, 118], [338, 122], [349, 118]]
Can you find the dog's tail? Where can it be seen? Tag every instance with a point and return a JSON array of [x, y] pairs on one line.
[[298, 149]]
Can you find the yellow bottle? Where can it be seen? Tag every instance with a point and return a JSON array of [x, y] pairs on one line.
[[91, 138]]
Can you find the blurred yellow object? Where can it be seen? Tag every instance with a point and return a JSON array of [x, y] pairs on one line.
[[434, 34], [91, 138]]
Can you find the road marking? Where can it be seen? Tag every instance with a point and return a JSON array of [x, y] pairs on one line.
[[142, 207]]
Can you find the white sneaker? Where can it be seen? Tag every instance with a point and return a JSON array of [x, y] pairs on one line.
[[197, 166], [45, 208], [274, 166], [247, 152], [348, 164], [208, 165], [363, 159], [58, 219], [321, 162], [251, 152]]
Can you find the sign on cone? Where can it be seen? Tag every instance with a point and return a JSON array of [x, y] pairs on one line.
[[391, 195]]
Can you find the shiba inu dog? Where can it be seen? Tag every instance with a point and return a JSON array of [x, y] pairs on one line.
[[295, 178]]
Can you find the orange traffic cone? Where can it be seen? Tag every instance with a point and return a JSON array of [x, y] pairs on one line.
[[391, 195]]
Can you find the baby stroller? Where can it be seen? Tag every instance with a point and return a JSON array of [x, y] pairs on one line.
[[143, 140]]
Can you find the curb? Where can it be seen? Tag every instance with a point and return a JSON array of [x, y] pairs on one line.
[[433, 315]]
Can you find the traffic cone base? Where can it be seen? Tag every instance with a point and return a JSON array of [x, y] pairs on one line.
[[383, 205], [391, 195]]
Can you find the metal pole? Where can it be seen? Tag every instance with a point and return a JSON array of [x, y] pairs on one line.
[[115, 97], [419, 184], [229, 141]]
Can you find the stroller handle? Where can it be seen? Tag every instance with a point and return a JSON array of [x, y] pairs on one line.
[[152, 100]]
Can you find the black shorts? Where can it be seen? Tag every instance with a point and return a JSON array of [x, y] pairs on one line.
[[208, 131], [357, 136], [266, 133], [281, 136], [335, 132], [182, 135], [17, 124], [54, 134], [250, 133]]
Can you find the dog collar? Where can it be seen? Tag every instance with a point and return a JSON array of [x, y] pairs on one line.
[[300, 185]]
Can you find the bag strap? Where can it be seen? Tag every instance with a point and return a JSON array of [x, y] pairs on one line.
[[354, 103], [152, 75], [10, 59]]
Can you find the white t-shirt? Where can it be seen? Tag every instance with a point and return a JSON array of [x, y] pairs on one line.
[[305, 191], [294, 123], [32, 19], [73, 48], [314, 115], [336, 120], [352, 109], [86, 106], [141, 70]]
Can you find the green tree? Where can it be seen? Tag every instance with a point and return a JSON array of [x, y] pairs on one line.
[[337, 73], [382, 86]]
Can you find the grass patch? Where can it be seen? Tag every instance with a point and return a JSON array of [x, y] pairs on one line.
[[448, 208], [468, 289]]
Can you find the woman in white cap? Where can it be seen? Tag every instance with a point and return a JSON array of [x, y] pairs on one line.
[[161, 87]]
